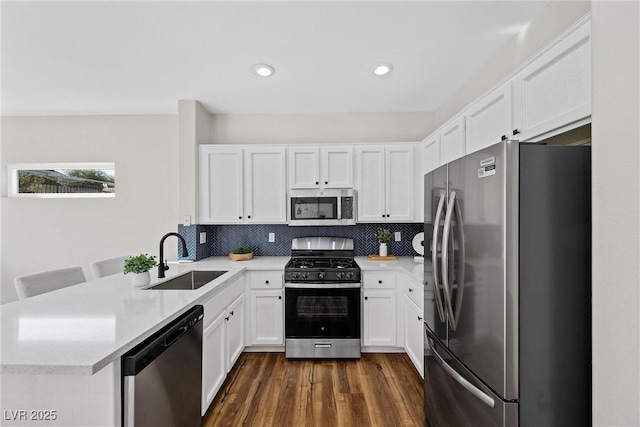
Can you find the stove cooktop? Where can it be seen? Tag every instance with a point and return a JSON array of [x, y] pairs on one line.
[[322, 270]]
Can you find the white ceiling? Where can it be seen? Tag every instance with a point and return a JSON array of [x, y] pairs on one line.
[[68, 58]]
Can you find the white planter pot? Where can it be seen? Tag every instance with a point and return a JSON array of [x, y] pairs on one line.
[[141, 279], [383, 249]]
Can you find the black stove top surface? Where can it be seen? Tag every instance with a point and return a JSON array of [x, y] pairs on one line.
[[321, 269]]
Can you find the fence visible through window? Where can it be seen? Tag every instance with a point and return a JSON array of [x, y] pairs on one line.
[[62, 180]]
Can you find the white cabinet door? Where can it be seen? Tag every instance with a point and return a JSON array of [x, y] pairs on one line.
[[430, 153], [267, 322], [336, 167], [214, 358], [370, 169], [413, 330], [489, 120], [399, 161], [235, 331], [265, 185], [379, 318], [555, 89], [304, 169], [452, 140], [221, 185]]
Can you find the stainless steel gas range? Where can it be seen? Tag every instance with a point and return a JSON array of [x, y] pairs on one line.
[[322, 299]]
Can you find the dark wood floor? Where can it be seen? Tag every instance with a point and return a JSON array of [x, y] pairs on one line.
[[265, 389]]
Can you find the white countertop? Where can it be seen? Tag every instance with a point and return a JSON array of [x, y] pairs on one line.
[[80, 329]]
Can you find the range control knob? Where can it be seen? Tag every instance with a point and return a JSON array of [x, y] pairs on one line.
[[349, 275], [339, 275], [321, 275], [305, 275], [296, 275]]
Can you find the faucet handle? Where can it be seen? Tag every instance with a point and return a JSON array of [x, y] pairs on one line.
[[166, 265]]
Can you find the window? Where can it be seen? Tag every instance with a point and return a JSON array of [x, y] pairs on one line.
[[58, 180]]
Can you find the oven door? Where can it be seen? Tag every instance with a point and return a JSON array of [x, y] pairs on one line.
[[322, 310]]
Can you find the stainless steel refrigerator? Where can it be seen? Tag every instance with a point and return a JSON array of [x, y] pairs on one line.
[[508, 340]]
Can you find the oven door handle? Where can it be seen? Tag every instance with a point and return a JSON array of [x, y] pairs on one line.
[[322, 285]]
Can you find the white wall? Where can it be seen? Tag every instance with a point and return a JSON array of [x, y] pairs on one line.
[[319, 128], [552, 21], [616, 213], [41, 234]]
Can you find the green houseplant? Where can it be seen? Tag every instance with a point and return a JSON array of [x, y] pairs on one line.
[[140, 265], [384, 237], [241, 254]]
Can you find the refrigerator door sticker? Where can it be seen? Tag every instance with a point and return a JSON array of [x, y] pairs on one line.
[[489, 161], [487, 171]]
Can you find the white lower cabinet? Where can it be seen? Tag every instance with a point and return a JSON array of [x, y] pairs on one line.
[[379, 311], [266, 308], [413, 331], [214, 370], [222, 338]]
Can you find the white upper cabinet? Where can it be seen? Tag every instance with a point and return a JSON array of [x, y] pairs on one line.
[[554, 90], [321, 167], [489, 120], [385, 185], [452, 140], [221, 185], [265, 185], [242, 185], [430, 153]]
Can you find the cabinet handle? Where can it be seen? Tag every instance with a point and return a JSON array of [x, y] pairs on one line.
[[516, 131], [410, 290], [366, 298], [503, 138], [419, 318], [231, 313], [279, 296], [226, 318]]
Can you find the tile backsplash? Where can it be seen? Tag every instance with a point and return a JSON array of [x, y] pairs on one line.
[[222, 239]]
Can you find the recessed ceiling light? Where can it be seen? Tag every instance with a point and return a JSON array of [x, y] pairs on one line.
[[263, 70], [382, 69]]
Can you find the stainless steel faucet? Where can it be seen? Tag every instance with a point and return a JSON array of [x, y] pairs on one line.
[[163, 266]]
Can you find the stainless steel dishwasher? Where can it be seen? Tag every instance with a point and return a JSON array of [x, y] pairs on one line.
[[162, 376]]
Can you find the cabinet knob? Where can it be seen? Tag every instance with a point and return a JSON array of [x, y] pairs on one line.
[[231, 313], [239, 217], [279, 296], [366, 297], [382, 215], [516, 131], [249, 216], [317, 182], [326, 182], [226, 318], [388, 215], [410, 290], [266, 281], [379, 281], [419, 318]]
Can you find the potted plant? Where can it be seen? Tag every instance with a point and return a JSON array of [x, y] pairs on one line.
[[384, 237], [241, 254], [140, 265]]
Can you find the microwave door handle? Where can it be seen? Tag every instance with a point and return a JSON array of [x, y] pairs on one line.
[[434, 258], [339, 208], [486, 399], [446, 266], [461, 264]]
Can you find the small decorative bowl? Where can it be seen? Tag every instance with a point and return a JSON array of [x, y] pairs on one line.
[[240, 257]]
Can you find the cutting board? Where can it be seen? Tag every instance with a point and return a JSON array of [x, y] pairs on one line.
[[382, 258]]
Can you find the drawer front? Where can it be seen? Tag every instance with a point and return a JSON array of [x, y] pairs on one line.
[[220, 300], [266, 280], [415, 292], [379, 281]]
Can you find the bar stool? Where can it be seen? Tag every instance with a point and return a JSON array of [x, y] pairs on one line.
[[107, 267], [47, 281]]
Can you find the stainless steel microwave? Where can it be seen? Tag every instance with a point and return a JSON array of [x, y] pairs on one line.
[[322, 207]]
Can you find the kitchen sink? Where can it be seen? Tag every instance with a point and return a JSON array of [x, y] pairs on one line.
[[191, 280]]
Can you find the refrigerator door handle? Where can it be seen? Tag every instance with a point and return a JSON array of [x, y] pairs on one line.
[[487, 400], [434, 258], [461, 267], [445, 261]]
